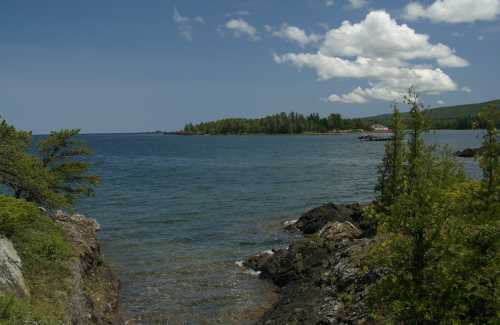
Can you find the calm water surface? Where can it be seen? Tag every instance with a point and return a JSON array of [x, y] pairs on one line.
[[177, 212]]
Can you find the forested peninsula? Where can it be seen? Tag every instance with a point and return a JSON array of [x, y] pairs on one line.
[[453, 117]]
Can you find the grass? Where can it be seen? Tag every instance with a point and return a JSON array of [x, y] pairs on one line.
[[44, 253]]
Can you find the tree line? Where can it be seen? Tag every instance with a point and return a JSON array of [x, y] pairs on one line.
[[282, 123]]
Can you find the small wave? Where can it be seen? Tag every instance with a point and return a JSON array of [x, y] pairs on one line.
[[247, 270], [290, 222], [267, 252]]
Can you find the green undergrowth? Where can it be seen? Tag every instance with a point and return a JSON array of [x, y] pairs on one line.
[[44, 253]]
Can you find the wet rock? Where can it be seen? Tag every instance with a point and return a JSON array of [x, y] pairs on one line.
[[11, 277], [321, 278]]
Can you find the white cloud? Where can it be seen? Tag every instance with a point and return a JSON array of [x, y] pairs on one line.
[[329, 3], [240, 28], [356, 4], [185, 25], [294, 34], [380, 51], [466, 89], [455, 11], [440, 102], [378, 35]]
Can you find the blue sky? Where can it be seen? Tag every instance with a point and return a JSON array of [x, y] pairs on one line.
[[128, 65]]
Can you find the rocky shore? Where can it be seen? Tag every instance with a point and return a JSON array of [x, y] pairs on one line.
[[94, 298], [93, 291], [321, 278]]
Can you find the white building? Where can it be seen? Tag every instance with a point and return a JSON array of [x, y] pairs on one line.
[[380, 128]]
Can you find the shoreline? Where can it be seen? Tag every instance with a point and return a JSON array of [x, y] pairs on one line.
[[320, 277]]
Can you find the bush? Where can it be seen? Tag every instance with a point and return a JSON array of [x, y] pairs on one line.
[[44, 254]]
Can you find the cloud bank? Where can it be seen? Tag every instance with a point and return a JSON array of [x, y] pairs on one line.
[[455, 11], [383, 52]]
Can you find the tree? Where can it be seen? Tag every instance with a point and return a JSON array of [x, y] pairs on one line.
[[22, 173], [55, 178], [410, 224], [391, 182], [62, 154], [489, 158]]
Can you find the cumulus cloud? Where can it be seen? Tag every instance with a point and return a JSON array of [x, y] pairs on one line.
[[294, 34], [240, 28], [185, 25], [329, 3], [454, 11], [381, 51], [378, 35], [466, 89]]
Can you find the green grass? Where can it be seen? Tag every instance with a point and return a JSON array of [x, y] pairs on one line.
[[44, 253]]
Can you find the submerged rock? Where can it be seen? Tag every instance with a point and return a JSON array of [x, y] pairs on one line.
[[11, 278], [321, 278]]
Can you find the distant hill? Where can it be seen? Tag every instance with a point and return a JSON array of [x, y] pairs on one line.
[[450, 117]]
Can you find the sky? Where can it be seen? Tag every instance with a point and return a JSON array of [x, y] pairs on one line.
[[128, 65]]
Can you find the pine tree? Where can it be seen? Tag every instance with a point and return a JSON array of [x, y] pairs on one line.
[[63, 155], [391, 181]]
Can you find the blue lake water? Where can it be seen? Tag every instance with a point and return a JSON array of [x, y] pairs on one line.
[[177, 212]]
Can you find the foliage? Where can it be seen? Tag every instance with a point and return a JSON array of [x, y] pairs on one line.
[[56, 178], [61, 154], [452, 117], [391, 182], [292, 123], [437, 240], [44, 252], [489, 160]]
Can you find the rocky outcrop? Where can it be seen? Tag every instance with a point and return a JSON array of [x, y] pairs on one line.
[[95, 290], [11, 278], [321, 278], [315, 219]]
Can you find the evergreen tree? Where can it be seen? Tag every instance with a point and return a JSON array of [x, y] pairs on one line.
[[409, 225], [391, 182], [55, 178], [489, 158], [63, 155]]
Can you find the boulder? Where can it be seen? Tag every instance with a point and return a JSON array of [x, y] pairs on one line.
[[315, 219], [11, 277]]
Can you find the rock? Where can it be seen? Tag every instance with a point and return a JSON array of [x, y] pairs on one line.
[[321, 278], [315, 219], [469, 152], [95, 290], [11, 277], [290, 225]]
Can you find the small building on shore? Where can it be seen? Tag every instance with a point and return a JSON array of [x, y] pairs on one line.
[[379, 128]]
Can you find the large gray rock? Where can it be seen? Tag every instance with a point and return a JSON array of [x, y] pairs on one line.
[[11, 277]]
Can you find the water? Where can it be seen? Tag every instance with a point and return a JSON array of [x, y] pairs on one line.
[[177, 212]]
